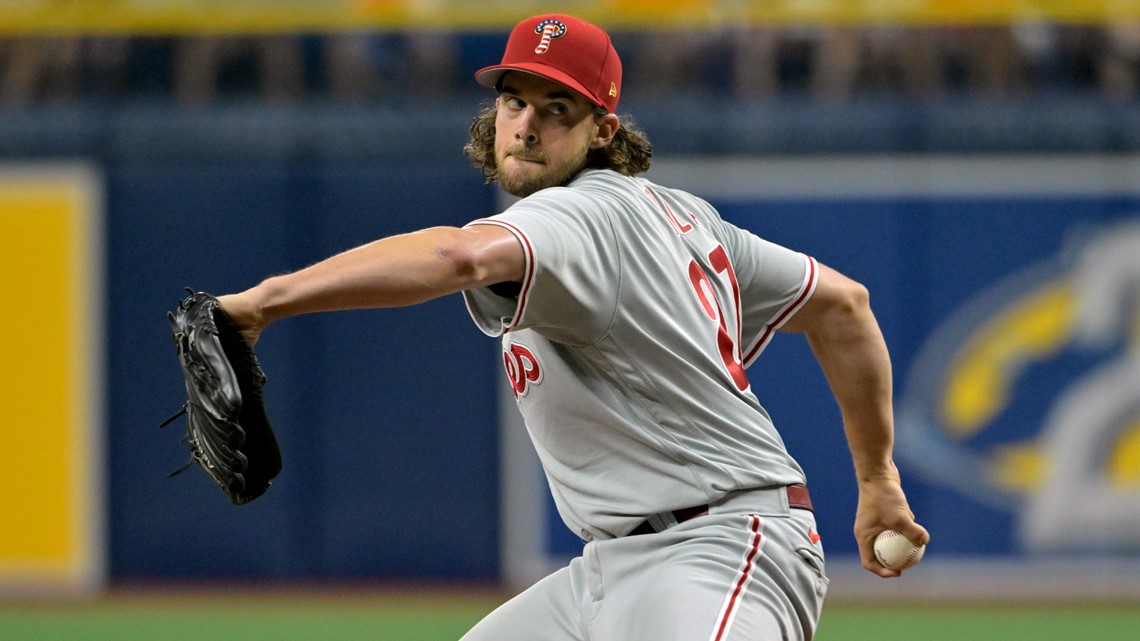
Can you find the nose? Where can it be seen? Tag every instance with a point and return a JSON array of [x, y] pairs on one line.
[[525, 130]]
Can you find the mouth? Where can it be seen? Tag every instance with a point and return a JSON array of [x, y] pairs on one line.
[[525, 157]]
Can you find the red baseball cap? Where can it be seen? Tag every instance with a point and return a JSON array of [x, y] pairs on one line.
[[566, 50]]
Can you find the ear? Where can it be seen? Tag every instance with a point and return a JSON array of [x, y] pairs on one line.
[[608, 126]]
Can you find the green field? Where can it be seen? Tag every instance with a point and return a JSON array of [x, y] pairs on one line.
[[163, 614]]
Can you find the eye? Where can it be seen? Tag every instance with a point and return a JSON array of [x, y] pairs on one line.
[[558, 109], [512, 102]]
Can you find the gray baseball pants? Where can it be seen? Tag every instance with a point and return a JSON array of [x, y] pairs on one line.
[[750, 570]]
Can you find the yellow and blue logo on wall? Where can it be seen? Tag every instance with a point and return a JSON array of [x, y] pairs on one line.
[[1029, 398]]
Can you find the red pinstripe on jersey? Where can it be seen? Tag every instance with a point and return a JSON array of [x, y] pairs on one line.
[[740, 585], [528, 280], [805, 293]]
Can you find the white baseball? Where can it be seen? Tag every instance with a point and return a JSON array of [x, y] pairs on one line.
[[895, 552]]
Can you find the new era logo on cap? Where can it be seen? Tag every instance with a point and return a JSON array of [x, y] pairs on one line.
[[566, 50]]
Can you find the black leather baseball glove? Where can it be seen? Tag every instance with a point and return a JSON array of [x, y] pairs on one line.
[[228, 431]]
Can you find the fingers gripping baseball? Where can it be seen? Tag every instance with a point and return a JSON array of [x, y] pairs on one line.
[[883, 506]]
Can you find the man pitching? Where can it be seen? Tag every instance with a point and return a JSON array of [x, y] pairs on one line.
[[628, 314]]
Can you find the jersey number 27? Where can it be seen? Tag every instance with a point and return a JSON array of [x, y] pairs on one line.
[[727, 342]]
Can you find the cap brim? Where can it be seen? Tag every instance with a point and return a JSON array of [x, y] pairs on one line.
[[490, 76]]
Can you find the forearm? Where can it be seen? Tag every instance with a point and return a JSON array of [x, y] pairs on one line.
[[392, 272], [854, 358], [849, 346]]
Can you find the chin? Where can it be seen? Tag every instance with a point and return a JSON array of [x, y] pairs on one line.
[[522, 185], [519, 190]]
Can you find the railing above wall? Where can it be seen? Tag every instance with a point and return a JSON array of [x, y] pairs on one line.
[[685, 126], [268, 16]]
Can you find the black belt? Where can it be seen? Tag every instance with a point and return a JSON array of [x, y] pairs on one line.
[[798, 498]]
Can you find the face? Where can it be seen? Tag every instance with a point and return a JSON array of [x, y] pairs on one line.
[[543, 132]]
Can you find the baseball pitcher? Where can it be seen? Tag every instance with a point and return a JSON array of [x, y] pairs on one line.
[[629, 313]]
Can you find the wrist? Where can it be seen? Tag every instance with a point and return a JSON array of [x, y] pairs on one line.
[[879, 472], [268, 301]]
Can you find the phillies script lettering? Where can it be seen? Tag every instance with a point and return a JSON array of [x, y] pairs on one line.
[[522, 368]]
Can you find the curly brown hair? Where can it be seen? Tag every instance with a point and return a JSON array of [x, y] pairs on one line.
[[629, 153]]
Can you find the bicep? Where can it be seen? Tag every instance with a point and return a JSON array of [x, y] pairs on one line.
[[497, 253], [835, 297]]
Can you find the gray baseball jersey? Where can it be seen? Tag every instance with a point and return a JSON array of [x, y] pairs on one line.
[[627, 344]]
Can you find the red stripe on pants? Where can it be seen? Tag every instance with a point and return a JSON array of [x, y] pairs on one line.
[[745, 573]]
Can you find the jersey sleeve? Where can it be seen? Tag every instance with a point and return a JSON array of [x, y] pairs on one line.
[[572, 264], [775, 283]]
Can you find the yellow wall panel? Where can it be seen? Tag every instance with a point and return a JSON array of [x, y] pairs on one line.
[[50, 464]]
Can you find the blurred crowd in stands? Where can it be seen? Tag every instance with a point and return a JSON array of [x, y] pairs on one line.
[[818, 63]]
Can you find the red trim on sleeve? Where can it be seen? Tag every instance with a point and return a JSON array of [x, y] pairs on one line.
[[807, 290], [528, 279]]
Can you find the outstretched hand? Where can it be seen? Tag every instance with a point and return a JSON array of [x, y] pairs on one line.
[[883, 506]]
